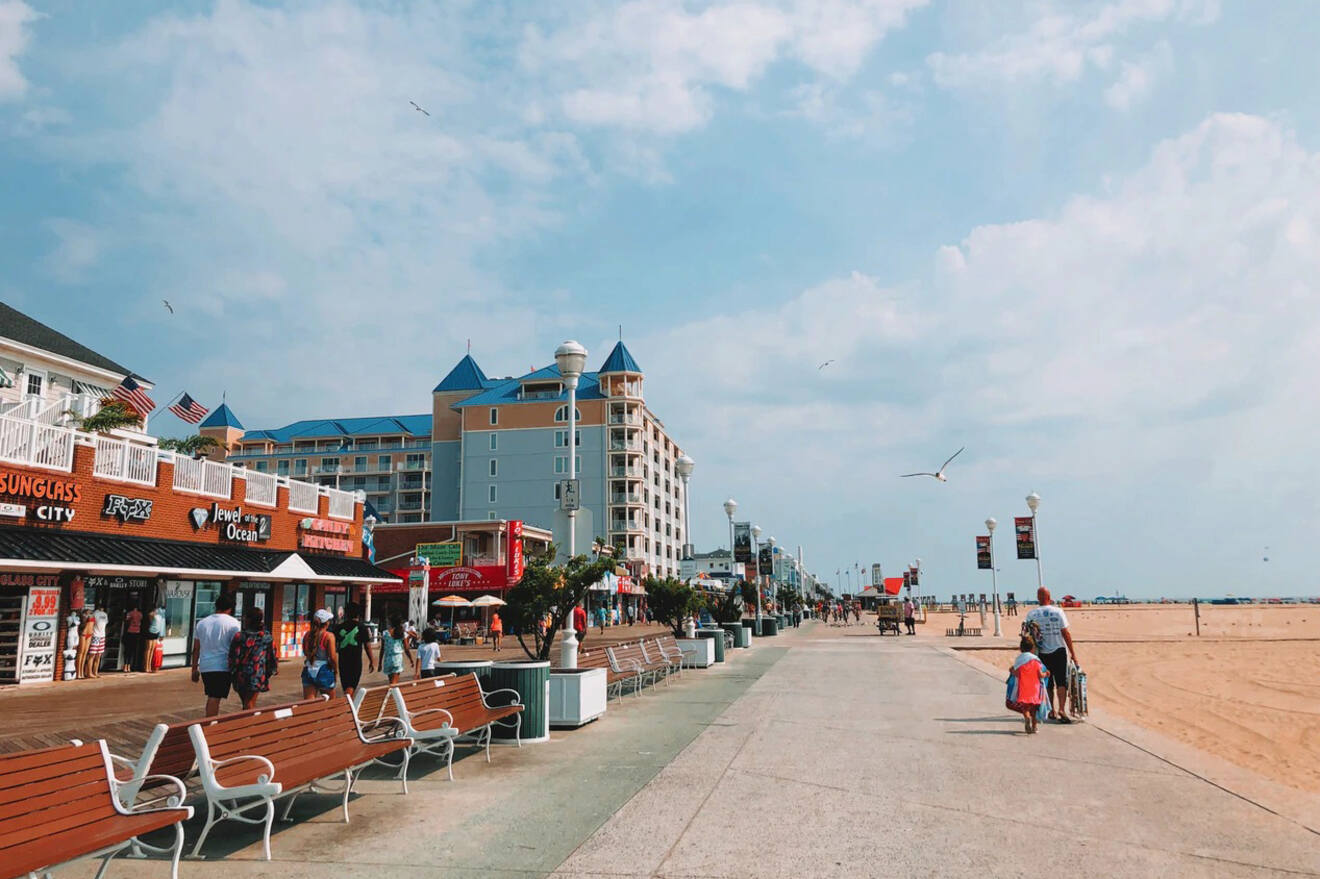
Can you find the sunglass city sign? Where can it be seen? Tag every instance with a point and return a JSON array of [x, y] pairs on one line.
[[232, 523]]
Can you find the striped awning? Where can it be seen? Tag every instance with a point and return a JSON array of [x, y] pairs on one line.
[[5, 380], [90, 389]]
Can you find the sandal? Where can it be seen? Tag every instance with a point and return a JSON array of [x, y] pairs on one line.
[[1063, 718]]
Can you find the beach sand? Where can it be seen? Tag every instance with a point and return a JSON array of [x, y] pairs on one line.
[[1246, 690]]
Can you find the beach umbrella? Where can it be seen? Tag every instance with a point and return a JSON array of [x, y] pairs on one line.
[[451, 602], [488, 601]]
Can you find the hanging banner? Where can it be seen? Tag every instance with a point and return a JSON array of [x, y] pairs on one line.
[[907, 579], [515, 553], [742, 542], [418, 579], [766, 563], [983, 561], [1025, 526], [914, 575]]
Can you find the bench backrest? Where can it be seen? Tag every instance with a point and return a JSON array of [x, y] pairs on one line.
[[461, 696], [668, 645], [374, 704], [279, 733], [51, 791], [627, 654]]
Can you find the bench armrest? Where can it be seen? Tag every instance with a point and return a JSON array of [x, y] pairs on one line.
[[444, 711], [374, 726], [517, 697], [261, 779], [172, 802]]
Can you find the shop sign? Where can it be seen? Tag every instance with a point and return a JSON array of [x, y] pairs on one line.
[[233, 524], [514, 571], [115, 583], [40, 625], [40, 488], [13, 511], [325, 526], [448, 554], [27, 581], [330, 535], [138, 509], [178, 589]]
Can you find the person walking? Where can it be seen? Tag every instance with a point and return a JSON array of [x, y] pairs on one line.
[[352, 639], [394, 649], [131, 638], [212, 638], [580, 625], [252, 659], [428, 654], [910, 615], [153, 630], [496, 630], [1054, 643], [320, 659], [1028, 686]]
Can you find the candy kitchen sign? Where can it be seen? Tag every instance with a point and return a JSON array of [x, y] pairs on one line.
[[324, 534]]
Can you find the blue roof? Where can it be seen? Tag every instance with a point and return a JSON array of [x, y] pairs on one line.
[[620, 360], [222, 416], [502, 391], [465, 376], [414, 425]]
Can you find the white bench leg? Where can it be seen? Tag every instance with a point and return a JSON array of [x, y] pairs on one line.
[[265, 832], [206, 829], [449, 758], [487, 735], [105, 864], [348, 789], [403, 773], [288, 807], [177, 852]]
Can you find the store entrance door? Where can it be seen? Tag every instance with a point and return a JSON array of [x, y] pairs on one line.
[[253, 595]]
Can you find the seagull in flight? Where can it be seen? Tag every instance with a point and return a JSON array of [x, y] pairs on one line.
[[417, 108], [939, 474], [823, 365], [167, 305]]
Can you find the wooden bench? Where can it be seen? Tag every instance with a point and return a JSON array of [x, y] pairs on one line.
[[614, 678], [59, 805], [442, 711], [633, 656], [965, 630], [666, 650], [248, 760], [378, 712]]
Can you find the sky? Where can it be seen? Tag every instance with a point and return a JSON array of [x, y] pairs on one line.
[[1078, 238]]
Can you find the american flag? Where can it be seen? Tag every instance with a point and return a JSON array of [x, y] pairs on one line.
[[189, 409], [131, 393]]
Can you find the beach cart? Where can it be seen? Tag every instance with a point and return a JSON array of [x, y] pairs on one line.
[[889, 617]]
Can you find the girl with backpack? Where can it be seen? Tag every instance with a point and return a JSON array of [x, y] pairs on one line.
[[1027, 685], [320, 661]]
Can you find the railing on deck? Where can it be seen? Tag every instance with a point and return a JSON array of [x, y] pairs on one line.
[[37, 445], [129, 462], [201, 476], [262, 488], [302, 496], [341, 503]]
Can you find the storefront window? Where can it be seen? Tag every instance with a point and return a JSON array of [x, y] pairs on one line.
[[207, 593], [295, 602], [178, 613]]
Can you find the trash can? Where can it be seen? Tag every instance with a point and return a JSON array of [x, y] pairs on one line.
[[479, 667], [742, 635], [769, 626], [531, 680], [716, 635]]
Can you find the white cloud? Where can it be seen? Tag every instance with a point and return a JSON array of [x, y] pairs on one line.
[[1137, 78], [1062, 42], [77, 248], [14, 18], [652, 65]]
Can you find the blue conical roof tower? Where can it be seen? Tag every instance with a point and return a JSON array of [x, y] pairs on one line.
[[620, 360], [222, 416], [465, 376]]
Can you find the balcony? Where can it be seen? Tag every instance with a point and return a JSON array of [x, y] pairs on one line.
[[628, 418], [414, 465], [409, 506], [617, 445], [626, 498]]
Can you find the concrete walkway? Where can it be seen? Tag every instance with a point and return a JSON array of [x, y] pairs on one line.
[[824, 752]]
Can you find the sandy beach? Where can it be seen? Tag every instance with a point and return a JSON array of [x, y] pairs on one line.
[[1245, 690]]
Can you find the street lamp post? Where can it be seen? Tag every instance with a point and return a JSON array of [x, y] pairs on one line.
[[756, 560], [571, 359], [994, 577], [730, 507], [684, 466], [769, 578], [1033, 501]]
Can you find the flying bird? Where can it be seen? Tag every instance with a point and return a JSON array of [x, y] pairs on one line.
[[823, 365], [167, 305], [417, 108], [938, 474]]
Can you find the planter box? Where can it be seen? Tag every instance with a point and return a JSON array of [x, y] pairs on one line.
[[531, 679], [716, 637], [697, 652], [577, 696], [742, 635]]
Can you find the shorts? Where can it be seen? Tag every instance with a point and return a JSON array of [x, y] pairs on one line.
[[430, 672], [149, 636], [98, 645], [216, 684], [1056, 663], [350, 671]]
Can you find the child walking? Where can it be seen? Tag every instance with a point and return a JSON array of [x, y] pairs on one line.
[[1027, 681]]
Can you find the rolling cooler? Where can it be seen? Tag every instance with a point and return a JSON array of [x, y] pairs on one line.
[[1076, 690]]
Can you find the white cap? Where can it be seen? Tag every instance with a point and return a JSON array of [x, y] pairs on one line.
[[323, 616]]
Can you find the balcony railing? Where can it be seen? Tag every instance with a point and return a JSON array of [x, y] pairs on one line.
[[129, 462], [36, 445], [341, 503], [624, 446], [626, 499], [303, 496], [201, 476], [262, 488], [617, 418]]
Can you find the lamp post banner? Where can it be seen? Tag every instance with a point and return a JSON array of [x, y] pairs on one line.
[[983, 553], [742, 542], [766, 563], [1025, 526], [915, 576]]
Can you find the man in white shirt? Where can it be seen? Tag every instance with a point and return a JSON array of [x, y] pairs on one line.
[[1055, 644], [212, 638]]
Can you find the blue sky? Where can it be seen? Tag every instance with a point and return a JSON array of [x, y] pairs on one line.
[[1079, 238]]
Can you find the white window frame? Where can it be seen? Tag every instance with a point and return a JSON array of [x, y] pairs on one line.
[[493, 493], [494, 466], [561, 414], [494, 441], [494, 416]]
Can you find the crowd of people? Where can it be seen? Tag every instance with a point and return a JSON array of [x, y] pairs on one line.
[[838, 613]]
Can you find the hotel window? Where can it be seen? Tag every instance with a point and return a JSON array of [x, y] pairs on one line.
[[494, 441], [492, 493], [494, 415], [382, 462], [557, 487], [494, 467], [561, 463], [491, 516], [561, 438], [561, 414], [282, 468], [261, 466], [360, 464], [329, 465], [300, 467]]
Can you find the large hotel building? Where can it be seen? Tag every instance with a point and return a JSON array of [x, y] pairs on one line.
[[497, 449]]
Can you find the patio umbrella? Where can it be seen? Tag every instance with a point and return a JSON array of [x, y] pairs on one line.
[[451, 602], [487, 601]]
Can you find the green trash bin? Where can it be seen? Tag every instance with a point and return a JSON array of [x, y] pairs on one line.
[[479, 667], [769, 627], [531, 680], [742, 635], [716, 635]]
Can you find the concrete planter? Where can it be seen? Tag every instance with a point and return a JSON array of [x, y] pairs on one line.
[[577, 696], [717, 637], [769, 627], [742, 635], [697, 652]]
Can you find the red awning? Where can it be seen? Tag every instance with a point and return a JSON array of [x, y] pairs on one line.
[[893, 585]]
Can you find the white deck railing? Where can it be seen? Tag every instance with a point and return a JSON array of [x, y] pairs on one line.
[[262, 488], [341, 503], [37, 445], [303, 496], [130, 462], [201, 476]]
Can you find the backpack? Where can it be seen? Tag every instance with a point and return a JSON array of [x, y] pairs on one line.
[[1031, 629]]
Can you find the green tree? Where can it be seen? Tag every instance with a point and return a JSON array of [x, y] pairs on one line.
[[726, 608], [190, 445], [549, 590], [113, 415], [670, 601], [786, 596], [748, 593]]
